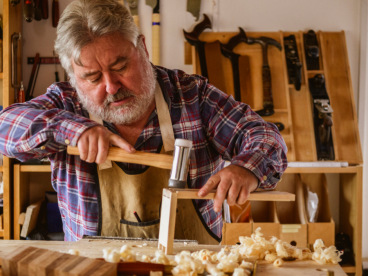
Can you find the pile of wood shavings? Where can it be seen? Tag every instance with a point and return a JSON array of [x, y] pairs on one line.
[[237, 259]]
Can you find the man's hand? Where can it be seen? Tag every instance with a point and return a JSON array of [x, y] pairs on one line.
[[233, 183], [94, 144]]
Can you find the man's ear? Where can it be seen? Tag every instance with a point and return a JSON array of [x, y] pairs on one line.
[[142, 41]]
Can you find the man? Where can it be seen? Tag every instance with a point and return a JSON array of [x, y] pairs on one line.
[[113, 82]]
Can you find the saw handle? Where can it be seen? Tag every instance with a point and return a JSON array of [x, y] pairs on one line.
[[163, 161]]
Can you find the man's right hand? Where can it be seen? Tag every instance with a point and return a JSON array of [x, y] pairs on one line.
[[94, 144]]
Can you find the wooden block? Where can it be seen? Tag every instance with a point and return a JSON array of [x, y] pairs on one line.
[[23, 264], [167, 221], [83, 267], [68, 264], [31, 217], [108, 269], [9, 262], [21, 218], [46, 264]]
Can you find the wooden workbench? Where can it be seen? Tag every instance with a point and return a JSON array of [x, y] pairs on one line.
[[93, 248]]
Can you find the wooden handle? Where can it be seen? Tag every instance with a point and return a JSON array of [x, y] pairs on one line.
[[255, 196], [156, 39], [162, 161], [45, 9], [55, 13]]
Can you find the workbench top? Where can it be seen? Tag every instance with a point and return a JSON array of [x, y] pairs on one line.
[[92, 248]]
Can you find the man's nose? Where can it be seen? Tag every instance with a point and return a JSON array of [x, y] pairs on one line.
[[112, 83]]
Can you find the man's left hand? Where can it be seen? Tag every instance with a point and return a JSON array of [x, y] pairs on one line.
[[233, 182]]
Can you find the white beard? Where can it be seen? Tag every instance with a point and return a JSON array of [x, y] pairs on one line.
[[130, 112]]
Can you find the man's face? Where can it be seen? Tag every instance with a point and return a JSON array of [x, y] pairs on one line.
[[116, 82]]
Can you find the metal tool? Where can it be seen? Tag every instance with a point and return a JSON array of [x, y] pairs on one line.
[[180, 166], [227, 51], [266, 72], [193, 39], [322, 118], [294, 66], [311, 50]]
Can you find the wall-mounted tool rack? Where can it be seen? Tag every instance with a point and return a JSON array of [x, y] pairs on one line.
[[294, 109]]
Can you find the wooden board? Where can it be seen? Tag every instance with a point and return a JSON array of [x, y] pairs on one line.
[[299, 268], [255, 196], [93, 249], [29, 260]]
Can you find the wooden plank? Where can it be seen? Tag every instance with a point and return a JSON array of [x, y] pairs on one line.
[[31, 217], [23, 264], [339, 88], [163, 161], [255, 196]]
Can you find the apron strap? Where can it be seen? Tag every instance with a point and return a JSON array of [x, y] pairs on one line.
[[164, 120]]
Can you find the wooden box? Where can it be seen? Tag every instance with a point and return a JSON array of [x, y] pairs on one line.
[[323, 226], [291, 215]]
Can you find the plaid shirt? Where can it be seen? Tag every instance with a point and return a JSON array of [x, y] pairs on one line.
[[220, 128]]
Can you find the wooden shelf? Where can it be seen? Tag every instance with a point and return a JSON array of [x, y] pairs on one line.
[[35, 168]]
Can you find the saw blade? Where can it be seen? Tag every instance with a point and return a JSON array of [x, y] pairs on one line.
[[194, 6]]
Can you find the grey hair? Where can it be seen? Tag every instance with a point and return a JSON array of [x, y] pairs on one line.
[[83, 21]]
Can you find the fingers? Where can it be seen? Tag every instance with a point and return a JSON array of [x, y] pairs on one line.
[[94, 144], [211, 184], [121, 143]]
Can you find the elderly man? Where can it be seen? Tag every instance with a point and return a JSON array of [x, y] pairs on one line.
[[116, 97]]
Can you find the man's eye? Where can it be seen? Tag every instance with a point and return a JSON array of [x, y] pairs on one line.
[[95, 80], [120, 69]]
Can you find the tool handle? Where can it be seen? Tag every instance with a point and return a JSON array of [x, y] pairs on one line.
[[156, 38], [198, 29], [55, 13], [28, 10], [267, 91], [162, 161], [45, 9]]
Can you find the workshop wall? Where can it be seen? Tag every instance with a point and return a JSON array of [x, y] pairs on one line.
[[226, 15]]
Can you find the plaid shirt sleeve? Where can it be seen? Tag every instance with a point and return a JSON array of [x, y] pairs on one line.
[[43, 126]]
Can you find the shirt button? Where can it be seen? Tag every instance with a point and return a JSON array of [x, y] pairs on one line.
[[43, 147], [264, 178], [67, 141]]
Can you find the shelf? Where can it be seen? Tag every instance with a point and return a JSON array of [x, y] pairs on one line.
[[35, 168], [350, 169]]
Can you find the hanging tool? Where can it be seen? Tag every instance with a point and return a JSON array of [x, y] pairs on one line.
[[37, 10], [322, 118], [227, 51], [28, 10], [266, 73], [193, 39], [15, 38], [155, 4], [21, 96], [55, 13], [56, 70], [45, 9], [194, 6], [133, 7], [311, 49], [294, 66], [33, 77]]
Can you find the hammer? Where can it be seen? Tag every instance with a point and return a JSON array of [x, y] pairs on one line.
[[266, 73], [193, 39], [179, 164]]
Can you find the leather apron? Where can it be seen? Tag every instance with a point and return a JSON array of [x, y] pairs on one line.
[[124, 194]]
